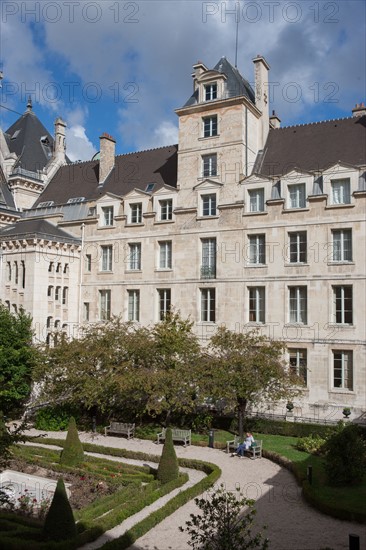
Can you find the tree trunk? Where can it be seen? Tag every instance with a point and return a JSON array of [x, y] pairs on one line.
[[242, 405]]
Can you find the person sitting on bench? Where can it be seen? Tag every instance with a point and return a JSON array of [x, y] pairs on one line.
[[247, 443]]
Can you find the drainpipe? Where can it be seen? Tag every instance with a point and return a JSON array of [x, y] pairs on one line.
[[81, 270]]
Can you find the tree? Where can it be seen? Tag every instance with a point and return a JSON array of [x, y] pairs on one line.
[[73, 453], [168, 468], [246, 368], [222, 525], [59, 522], [345, 459], [18, 356]]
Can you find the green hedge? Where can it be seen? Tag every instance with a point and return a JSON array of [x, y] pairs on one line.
[[282, 427]]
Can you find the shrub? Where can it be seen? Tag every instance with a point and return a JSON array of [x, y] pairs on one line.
[[168, 468], [282, 427], [54, 418], [72, 454], [345, 459], [313, 444], [59, 523]]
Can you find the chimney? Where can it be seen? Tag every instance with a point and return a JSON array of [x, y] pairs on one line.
[[262, 96], [107, 155], [359, 110], [275, 121], [60, 141]]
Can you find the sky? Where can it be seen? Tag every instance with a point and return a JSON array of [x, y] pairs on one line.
[[123, 67]]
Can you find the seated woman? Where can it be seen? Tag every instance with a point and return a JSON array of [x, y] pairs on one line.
[[245, 446]]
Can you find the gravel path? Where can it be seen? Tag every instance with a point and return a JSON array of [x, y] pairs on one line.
[[291, 523]]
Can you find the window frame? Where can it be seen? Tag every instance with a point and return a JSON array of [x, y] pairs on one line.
[[86, 311], [298, 314], [136, 213], [342, 188], [209, 165], [298, 362], [210, 91], [342, 304], [346, 372], [164, 302], [105, 299], [106, 264], [208, 257], [257, 299], [297, 251], [210, 126], [209, 205], [342, 252], [165, 210], [165, 254], [258, 195], [134, 260], [208, 305], [133, 305], [299, 201], [257, 249], [107, 216]]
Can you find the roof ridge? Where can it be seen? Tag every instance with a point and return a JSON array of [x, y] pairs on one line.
[[315, 122], [147, 150]]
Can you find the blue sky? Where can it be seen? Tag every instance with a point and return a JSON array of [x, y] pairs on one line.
[[122, 67]]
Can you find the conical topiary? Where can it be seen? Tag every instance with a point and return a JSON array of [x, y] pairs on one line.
[[168, 468], [59, 523], [72, 454]]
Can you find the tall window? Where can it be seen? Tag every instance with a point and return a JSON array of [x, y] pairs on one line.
[[107, 258], [136, 212], [210, 126], [164, 302], [342, 245], [57, 293], [165, 254], [58, 267], [210, 92], [23, 273], [209, 163], [209, 204], [208, 268], [257, 304], [297, 245], [65, 292], [107, 215], [298, 304], [16, 273], [133, 305], [50, 267], [342, 305], [50, 291], [166, 209], [88, 262], [257, 249], [297, 195], [8, 271], [105, 305], [341, 191], [343, 369], [298, 362], [208, 305], [86, 311], [134, 258], [256, 200]]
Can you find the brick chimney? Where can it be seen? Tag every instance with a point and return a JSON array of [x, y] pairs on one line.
[[107, 156], [60, 141], [274, 120], [261, 69], [359, 110]]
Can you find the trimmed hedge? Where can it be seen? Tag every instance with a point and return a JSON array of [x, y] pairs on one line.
[[73, 453], [282, 427], [59, 522], [168, 468]]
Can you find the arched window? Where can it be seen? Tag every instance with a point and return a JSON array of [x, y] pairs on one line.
[[49, 322], [50, 267], [66, 268], [8, 271], [50, 291], [57, 293]]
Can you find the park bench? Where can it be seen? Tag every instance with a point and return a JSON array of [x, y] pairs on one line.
[[255, 451], [177, 435], [120, 428]]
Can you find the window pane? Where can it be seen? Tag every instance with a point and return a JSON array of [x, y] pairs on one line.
[[209, 165], [257, 249], [297, 195], [208, 305], [298, 362], [209, 205], [165, 255], [133, 305], [257, 305], [164, 297], [134, 256], [166, 209], [256, 200], [341, 191]]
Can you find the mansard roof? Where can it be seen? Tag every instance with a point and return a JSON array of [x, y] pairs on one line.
[[236, 84], [131, 171], [30, 141], [36, 228], [314, 147]]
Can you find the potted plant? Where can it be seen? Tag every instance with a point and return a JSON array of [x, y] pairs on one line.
[[346, 412], [289, 406]]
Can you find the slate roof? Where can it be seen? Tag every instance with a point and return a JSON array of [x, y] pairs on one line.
[[133, 170], [236, 85], [36, 228], [30, 141], [6, 198], [314, 147]]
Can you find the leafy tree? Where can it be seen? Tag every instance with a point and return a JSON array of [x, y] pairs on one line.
[[18, 356], [72, 453], [168, 468], [245, 369], [59, 522], [345, 459], [222, 524]]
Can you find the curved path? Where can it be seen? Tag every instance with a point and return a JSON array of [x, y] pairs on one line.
[[291, 523]]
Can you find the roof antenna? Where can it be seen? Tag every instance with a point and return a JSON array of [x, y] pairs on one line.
[[236, 38]]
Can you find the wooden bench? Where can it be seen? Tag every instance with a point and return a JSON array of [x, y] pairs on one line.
[[120, 428], [255, 451], [177, 435]]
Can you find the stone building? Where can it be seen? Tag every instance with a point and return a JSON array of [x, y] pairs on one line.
[[243, 223]]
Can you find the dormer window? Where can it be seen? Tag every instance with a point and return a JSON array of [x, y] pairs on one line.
[[341, 191], [210, 92], [136, 212], [107, 215]]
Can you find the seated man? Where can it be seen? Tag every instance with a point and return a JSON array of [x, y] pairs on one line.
[[247, 443]]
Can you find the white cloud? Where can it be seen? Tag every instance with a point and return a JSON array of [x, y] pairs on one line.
[[78, 146]]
